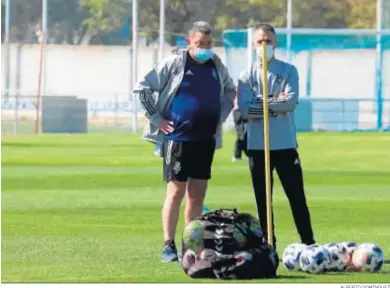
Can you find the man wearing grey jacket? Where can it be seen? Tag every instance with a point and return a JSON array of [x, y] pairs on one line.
[[283, 86], [194, 97]]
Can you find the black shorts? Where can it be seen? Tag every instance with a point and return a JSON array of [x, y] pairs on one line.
[[183, 160]]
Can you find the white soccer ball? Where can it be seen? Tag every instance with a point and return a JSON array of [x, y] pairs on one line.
[[291, 256], [315, 259], [350, 247], [314, 246], [368, 257], [339, 258], [189, 258]]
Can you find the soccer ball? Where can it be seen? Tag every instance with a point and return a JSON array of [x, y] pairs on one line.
[[239, 237], [350, 247], [313, 246], [250, 225], [193, 236], [255, 227], [189, 258], [291, 256], [368, 257], [314, 259], [339, 258], [208, 254]]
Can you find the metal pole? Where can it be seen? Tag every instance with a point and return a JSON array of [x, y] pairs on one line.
[[17, 90], [135, 59], [249, 48], [309, 70], [379, 64], [45, 36], [7, 47], [8, 66], [155, 56], [289, 27], [386, 15], [7, 20], [42, 70], [38, 102], [162, 30], [264, 81]]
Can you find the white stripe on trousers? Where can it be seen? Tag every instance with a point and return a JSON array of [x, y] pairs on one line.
[[169, 152]]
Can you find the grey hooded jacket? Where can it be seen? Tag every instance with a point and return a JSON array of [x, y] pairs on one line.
[[158, 87]]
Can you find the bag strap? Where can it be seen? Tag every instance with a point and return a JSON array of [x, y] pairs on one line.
[[220, 214], [234, 210]]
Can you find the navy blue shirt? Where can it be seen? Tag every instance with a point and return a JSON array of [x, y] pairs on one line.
[[196, 108]]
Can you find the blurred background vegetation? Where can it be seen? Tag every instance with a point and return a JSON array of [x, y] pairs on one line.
[[109, 21]]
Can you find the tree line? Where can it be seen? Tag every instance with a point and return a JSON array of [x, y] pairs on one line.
[[108, 21]]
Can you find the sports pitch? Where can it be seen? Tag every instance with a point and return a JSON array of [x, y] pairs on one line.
[[87, 208]]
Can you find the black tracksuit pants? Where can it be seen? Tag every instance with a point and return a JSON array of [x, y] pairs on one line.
[[287, 165], [240, 146]]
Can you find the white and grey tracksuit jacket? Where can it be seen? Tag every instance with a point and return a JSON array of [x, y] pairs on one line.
[[158, 87], [282, 77]]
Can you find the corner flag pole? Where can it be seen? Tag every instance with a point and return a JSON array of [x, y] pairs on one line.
[[264, 74]]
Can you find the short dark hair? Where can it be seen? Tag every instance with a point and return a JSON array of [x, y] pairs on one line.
[[202, 27], [266, 27]]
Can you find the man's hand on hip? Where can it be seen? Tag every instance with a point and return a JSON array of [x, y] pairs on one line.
[[166, 126]]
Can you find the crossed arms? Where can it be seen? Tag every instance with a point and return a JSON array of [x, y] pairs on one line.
[[251, 105]]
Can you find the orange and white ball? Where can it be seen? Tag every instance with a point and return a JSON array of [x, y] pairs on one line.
[[368, 257]]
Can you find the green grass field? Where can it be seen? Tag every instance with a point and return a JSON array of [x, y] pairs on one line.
[[86, 208]]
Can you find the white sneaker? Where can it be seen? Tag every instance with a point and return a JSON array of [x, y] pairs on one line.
[[235, 159]]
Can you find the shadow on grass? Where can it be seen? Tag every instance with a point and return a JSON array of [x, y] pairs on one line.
[[292, 277]]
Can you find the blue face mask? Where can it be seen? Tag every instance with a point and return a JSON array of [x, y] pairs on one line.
[[203, 55]]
